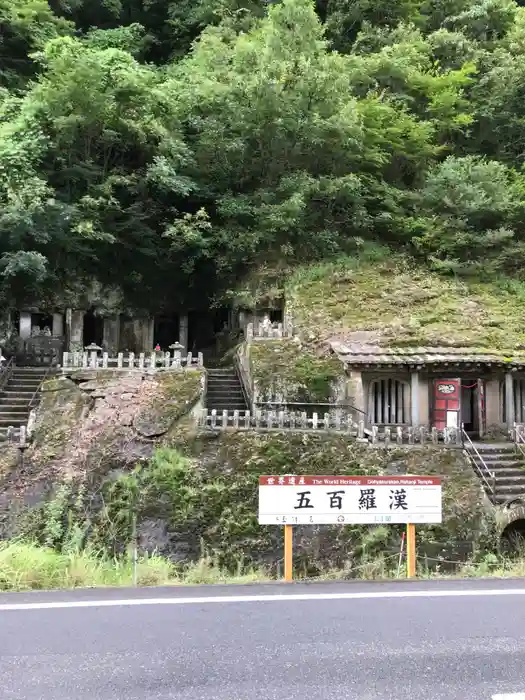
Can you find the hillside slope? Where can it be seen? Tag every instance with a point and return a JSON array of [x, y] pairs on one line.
[[388, 299], [399, 302]]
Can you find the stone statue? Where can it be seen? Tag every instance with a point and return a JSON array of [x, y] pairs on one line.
[[266, 324]]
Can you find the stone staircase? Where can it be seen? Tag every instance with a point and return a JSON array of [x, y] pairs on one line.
[[508, 465], [16, 397], [224, 391]]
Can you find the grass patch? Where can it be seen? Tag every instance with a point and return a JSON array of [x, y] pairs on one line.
[[26, 566], [402, 303]]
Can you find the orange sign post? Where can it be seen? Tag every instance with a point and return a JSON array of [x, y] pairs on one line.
[[411, 550], [288, 553]]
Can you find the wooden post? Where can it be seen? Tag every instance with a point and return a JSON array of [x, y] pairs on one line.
[[288, 553], [411, 550]]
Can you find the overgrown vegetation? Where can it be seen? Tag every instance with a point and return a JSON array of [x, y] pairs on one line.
[[294, 370], [199, 497], [399, 302], [162, 156], [143, 170], [28, 566]]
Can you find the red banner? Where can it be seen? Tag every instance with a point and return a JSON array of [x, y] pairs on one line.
[[299, 480]]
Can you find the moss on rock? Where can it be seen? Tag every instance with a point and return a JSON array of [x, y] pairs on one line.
[[401, 303], [292, 369], [175, 395], [205, 494]]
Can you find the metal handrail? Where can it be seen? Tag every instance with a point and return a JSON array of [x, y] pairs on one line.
[[311, 403], [37, 390], [490, 485], [519, 439], [245, 378], [6, 373]]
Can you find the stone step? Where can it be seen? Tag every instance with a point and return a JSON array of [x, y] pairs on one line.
[[506, 471], [12, 400], [15, 419], [495, 463], [14, 408], [510, 489], [223, 381], [496, 448], [8, 393], [502, 473], [515, 481], [501, 457], [28, 374], [221, 373], [36, 370], [23, 386], [225, 394], [226, 406]]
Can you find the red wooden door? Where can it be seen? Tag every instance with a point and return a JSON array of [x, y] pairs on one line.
[[447, 403]]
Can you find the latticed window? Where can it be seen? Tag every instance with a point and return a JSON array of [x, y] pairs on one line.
[[389, 401], [519, 401]]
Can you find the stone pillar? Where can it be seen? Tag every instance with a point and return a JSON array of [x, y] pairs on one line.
[[415, 418], [25, 325], [356, 394], [509, 399], [183, 332], [75, 321], [143, 334], [58, 325], [149, 335], [493, 402], [111, 334]]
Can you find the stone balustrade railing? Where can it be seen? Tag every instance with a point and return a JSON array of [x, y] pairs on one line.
[[153, 361], [335, 421], [278, 420], [267, 331], [401, 435]]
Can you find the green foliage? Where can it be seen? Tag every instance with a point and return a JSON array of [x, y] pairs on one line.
[[216, 137], [397, 301], [466, 210]]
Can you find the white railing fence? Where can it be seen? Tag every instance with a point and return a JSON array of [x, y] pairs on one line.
[[268, 331], [153, 360], [333, 421]]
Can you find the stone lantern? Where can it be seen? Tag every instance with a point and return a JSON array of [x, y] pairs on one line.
[[93, 349], [177, 354]]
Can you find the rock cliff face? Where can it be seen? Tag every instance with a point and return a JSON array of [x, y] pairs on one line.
[[89, 424]]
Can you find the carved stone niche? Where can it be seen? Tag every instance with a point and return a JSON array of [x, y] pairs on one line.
[[42, 351]]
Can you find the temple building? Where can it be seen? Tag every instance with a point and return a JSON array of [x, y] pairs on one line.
[[443, 387]]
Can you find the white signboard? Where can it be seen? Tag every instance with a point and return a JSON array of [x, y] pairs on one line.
[[332, 500]]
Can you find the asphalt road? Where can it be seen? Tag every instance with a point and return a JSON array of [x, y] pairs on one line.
[[443, 640]]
